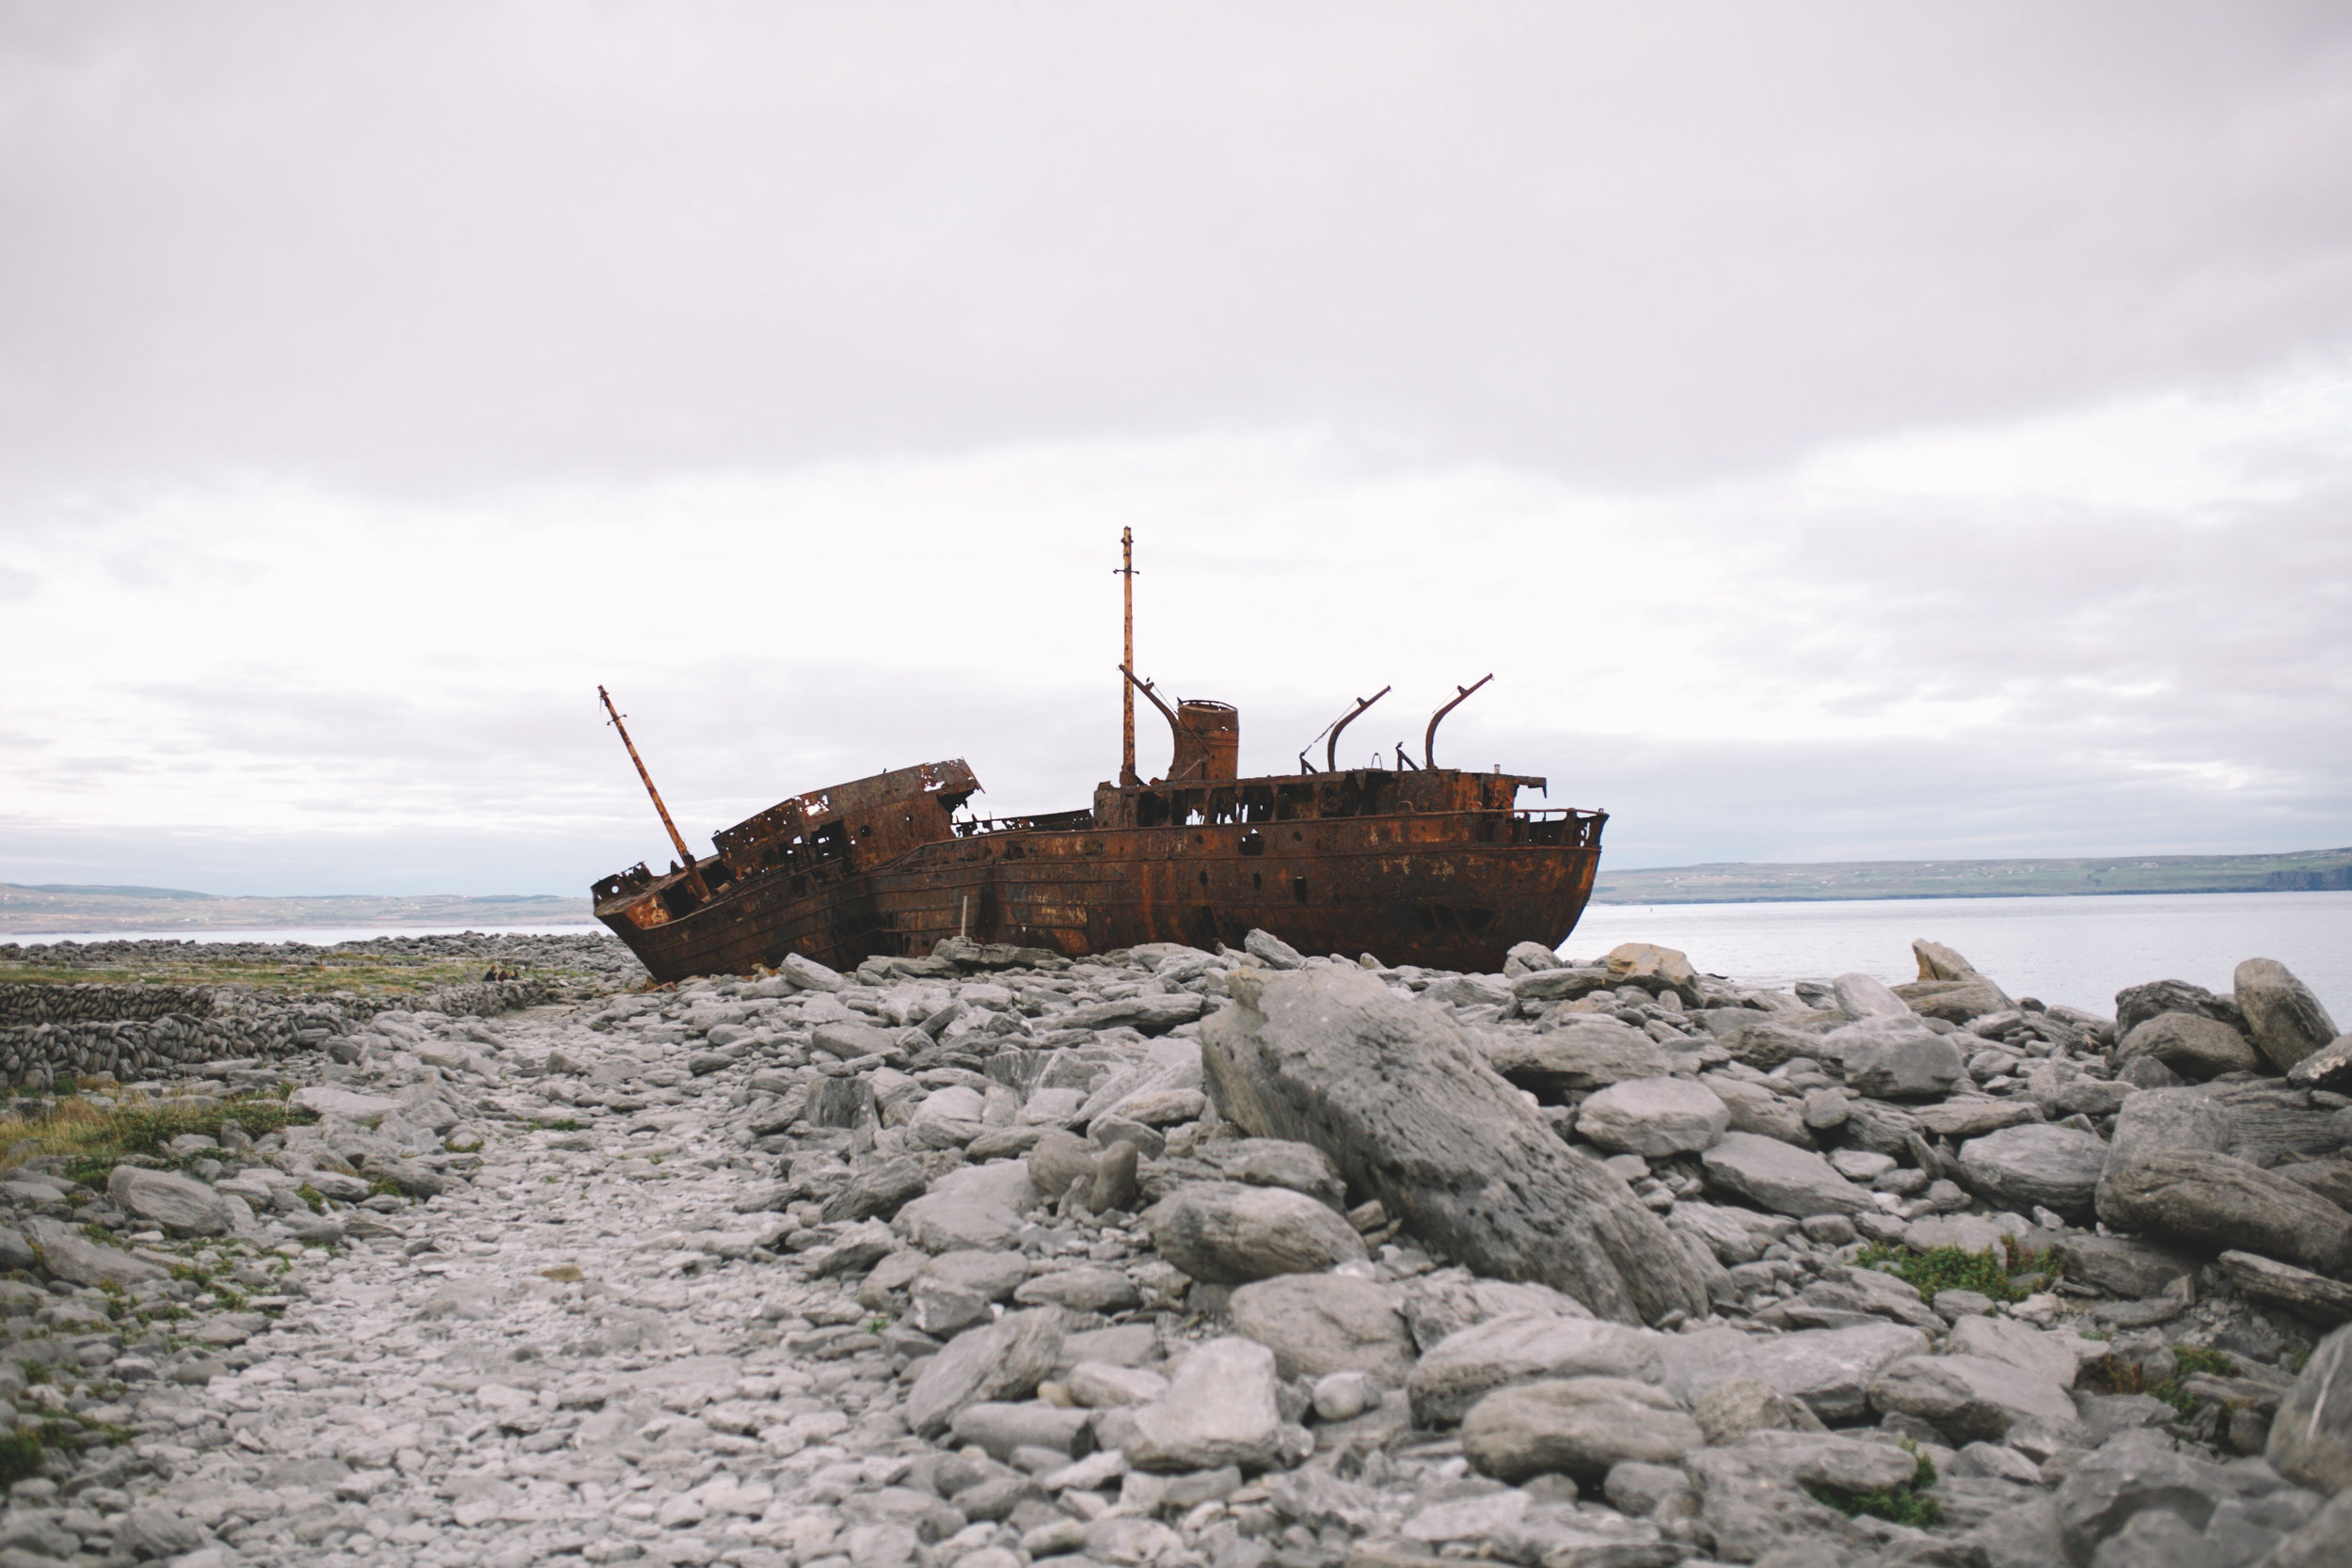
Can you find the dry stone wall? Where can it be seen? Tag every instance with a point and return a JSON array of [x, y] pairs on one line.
[[129, 1032]]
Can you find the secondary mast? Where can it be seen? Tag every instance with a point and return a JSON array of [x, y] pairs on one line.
[[685, 855]]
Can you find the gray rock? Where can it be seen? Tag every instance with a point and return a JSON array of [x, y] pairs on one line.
[[2330, 1067], [1860, 996], [2056, 1357], [1103, 1291], [1775, 1176], [1220, 1409], [1972, 1117], [67, 1255], [2285, 1019], [1911, 1064], [2132, 1269], [1757, 1109], [2324, 1541], [1971, 1397], [1058, 1159], [1272, 951], [2214, 1201], [2192, 1045], [1002, 1427], [1831, 1369], [974, 1209], [1653, 1116], [878, 1191], [2311, 1437], [1732, 1410], [1655, 969], [1579, 1427], [2132, 1473], [178, 1204], [1559, 982], [1147, 1015], [1465, 1366], [1005, 1360], [1954, 1001], [1399, 1098], [2157, 1120], [1277, 1162], [2136, 1004], [1229, 1234], [1751, 1515], [1317, 1324], [850, 1041], [1636, 1490], [1849, 1463], [1590, 1052], [2019, 1167]]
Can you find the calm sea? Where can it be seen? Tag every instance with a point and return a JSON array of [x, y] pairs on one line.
[[2075, 950], [2079, 951]]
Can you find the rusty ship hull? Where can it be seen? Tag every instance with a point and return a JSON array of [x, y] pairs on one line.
[[1431, 866]]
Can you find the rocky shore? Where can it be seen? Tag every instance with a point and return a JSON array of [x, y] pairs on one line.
[[1197, 1259]]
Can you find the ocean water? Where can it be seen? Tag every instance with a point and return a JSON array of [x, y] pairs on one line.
[[2079, 951]]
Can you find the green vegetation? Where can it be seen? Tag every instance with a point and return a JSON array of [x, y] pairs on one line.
[[1908, 1504], [370, 974], [1947, 1268], [568, 1124], [1736, 882], [312, 1197], [96, 1138], [2113, 1374], [20, 1456]]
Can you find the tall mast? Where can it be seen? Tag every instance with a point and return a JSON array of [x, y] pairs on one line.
[[1128, 778], [685, 855]]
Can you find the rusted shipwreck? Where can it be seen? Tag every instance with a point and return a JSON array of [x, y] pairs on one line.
[[1418, 864]]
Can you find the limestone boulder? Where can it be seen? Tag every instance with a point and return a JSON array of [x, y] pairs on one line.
[[1467, 1365], [1654, 969], [1905, 1063], [1321, 1324], [2019, 1167], [1589, 1053], [2136, 1004], [1220, 1409], [1730, 1411], [2214, 1202], [1781, 1178], [1830, 1370], [2191, 1044], [1005, 1360], [1229, 1233], [178, 1204], [1972, 1397], [2285, 1019], [1395, 1093], [1578, 1427], [2058, 1358], [66, 1253], [1653, 1116], [2311, 1437]]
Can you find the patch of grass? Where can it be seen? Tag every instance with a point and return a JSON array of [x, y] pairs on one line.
[[1948, 1268], [20, 1456], [383, 1187], [2112, 1374], [312, 1197], [568, 1124], [1907, 1504], [2197, 1358], [96, 1138]]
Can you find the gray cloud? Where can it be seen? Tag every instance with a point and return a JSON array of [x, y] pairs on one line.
[[463, 243], [1845, 431]]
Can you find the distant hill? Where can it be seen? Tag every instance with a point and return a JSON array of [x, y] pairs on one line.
[[1741, 883], [55, 907]]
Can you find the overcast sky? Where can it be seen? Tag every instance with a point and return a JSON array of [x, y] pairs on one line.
[[1845, 431]]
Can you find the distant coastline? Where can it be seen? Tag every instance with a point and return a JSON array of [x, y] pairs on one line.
[[74, 908], [1760, 882]]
